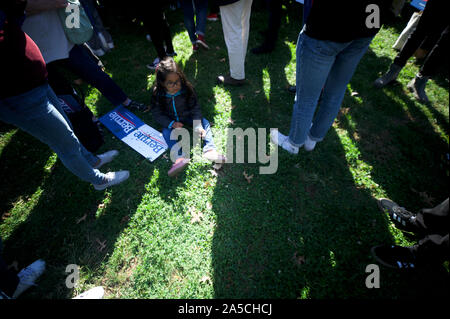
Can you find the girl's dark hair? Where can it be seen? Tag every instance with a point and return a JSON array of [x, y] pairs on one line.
[[166, 66]]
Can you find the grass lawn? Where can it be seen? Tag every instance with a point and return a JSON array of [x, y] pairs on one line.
[[303, 232]]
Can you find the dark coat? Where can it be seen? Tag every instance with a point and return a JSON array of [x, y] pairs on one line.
[[175, 108]]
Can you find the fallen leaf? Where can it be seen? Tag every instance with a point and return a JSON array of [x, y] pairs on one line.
[[299, 260], [14, 265], [233, 107], [6, 215], [165, 156], [217, 166], [209, 205], [257, 92], [248, 178], [241, 96], [207, 184], [196, 215], [205, 279], [230, 120], [102, 244], [101, 206], [217, 48], [78, 81], [125, 219], [354, 93], [222, 60], [81, 219]]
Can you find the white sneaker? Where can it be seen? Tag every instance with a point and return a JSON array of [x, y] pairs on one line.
[[283, 141], [309, 144], [28, 276], [106, 158], [113, 178], [94, 293]]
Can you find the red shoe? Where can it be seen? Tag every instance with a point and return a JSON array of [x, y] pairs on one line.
[[212, 17], [195, 47], [178, 167], [201, 40]]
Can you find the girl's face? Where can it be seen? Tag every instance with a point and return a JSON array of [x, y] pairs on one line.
[[172, 83]]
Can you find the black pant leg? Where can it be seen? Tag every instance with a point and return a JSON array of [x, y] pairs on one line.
[[8, 279], [435, 59], [433, 249], [435, 220]]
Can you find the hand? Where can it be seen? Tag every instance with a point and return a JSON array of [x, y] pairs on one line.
[[201, 132], [177, 125]]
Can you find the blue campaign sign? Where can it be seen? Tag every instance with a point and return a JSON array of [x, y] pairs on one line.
[[131, 130], [419, 4]]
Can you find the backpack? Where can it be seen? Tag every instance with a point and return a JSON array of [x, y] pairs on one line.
[[85, 125]]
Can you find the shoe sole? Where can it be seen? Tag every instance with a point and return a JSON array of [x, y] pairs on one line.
[[203, 44], [103, 187], [178, 170]]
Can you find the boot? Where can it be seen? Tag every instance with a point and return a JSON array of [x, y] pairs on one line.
[[389, 77], [417, 87]]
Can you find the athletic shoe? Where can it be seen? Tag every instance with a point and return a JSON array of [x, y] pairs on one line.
[[395, 257], [214, 156], [309, 144], [178, 167], [282, 140], [202, 42], [404, 219], [389, 77], [153, 65], [106, 158], [417, 87], [94, 293], [28, 276], [212, 17], [113, 178]]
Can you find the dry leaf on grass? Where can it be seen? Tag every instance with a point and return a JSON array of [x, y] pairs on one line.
[[101, 243], [196, 215], [222, 60], [213, 173], [248, 178], [205, 279], [125, 219], [299, 260], [217, 166], [82, 219], [241, 96]]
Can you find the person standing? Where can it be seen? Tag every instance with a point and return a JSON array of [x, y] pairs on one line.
[[196, 28], [236, 27]]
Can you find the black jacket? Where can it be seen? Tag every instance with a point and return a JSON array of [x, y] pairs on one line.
[[175, 108]]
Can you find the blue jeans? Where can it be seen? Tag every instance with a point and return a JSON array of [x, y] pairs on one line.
[[322, 65], [39, 113], [201, 11], [208, 139], [81, 63]]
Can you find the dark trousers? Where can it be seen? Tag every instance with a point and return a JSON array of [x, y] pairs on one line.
[[435, 223], [431, 25], [8, 278], [275, 10], [158, 28], [82, 64]]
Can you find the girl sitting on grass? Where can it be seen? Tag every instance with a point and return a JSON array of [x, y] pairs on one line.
[[174, 104]]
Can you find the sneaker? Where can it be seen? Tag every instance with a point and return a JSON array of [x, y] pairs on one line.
[[212, 17], [282, 140], [417, 87], [28, 276], [137, 106], [195, 47], [404, 219], [178, 167], [395, 257], [214, 156], [202, 42], [113, 178], [221, 79], [389, 77], [153, 65], [309, 144], [106, 158], [94, 293]]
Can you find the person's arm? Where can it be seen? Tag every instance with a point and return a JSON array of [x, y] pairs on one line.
[[38, 6], [158, 115]]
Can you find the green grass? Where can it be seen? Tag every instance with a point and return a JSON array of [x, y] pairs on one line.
[[304, 232]]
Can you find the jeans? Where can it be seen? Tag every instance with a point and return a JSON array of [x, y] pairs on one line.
[[322, 67], [208, 139], [201, 10], [39, 113], [81, 63]]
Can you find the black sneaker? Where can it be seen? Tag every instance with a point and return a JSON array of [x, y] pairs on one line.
[[395, 257], [137, 106], [404, 219]]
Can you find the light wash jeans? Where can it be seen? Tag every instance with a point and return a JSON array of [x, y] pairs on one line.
[[201, 10], [39, 113], [321, 65]]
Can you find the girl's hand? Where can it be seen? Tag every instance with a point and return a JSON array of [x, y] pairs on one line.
[[177, 125]]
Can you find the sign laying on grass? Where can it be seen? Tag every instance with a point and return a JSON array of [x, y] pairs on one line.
[[131, 130]]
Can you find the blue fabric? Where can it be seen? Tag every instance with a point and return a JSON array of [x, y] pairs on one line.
[[201, 10], [322, 67]]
